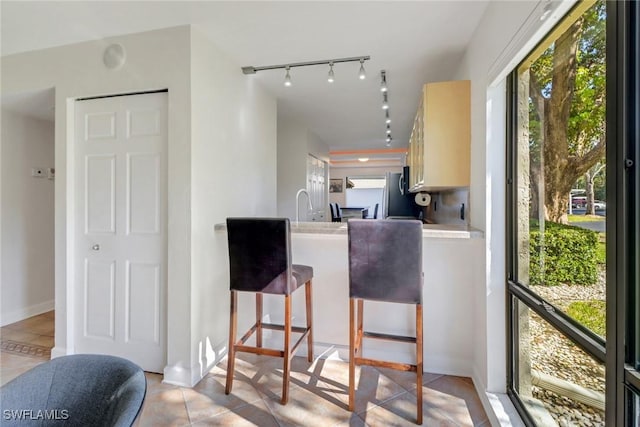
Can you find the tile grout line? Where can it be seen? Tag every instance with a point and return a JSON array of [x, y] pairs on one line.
[[186, 408]]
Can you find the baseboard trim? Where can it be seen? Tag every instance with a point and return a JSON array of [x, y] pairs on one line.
[[178, 375], [26, 312], [497, 406], [58, 352]]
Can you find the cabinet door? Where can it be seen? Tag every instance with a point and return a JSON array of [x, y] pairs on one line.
[[447, 134], [419, 125]]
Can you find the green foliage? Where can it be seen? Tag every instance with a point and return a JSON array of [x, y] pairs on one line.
[[588, 98], [591, 314], [562, 254], [601, 253]]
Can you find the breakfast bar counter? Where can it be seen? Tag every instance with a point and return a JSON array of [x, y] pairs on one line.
[[452, 262], [443, 231]]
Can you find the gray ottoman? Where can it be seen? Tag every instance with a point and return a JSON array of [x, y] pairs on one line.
[[78, 390]]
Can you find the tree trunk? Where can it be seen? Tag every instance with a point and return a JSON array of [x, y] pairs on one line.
[[558, 177], [534, 188], [588, 177], [560, 168]]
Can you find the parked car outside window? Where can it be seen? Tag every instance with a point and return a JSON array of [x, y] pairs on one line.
[[578, 201]]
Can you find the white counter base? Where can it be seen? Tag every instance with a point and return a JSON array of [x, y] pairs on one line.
[[452, 268]]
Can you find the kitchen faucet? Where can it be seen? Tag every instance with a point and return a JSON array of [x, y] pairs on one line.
[[300, 191]]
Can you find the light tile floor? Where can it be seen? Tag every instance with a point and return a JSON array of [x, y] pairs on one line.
[[318, 394]]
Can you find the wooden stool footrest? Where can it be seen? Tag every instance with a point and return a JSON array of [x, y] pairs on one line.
[[239, 346], [275, 327], [379, 336], [385, 364], [259, 350]]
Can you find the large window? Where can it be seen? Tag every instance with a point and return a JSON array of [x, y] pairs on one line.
[[569, 201]]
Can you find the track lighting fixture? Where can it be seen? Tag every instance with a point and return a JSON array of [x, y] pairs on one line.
[[287, 78], [362, 74], [383, 81], [385, 105], [331, 62]]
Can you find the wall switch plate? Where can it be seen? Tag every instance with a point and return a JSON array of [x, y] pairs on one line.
[[37, 172]]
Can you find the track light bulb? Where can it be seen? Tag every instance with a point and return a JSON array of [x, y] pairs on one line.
[[362, 74], [388, 130], [383, 82], [331, 76], [389, 138], [287, 78]]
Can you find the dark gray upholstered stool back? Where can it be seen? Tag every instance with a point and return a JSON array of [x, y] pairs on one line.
[[385, 260], [260, 255]]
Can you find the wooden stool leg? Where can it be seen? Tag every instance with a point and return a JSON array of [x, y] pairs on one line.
[[352, 355], [307, 292], [287, 349], [231, 352], [419, 363], [258, 319], [359, 332]]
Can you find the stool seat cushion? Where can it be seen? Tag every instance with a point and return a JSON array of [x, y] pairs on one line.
[[301, 274]]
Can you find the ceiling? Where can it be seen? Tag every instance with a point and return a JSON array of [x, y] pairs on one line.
[[415, 42]]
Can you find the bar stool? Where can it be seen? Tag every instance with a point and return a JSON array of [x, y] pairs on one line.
[[385, 264], [335, 217], [260, 262]]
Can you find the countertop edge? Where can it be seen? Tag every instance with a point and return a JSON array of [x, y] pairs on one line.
[[435, 231]]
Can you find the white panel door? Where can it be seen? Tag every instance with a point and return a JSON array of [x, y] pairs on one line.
[[121, 231]]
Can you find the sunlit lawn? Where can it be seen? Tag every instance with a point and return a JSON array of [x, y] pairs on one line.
[[585, 218]]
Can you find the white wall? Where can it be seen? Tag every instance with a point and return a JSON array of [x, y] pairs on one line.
[[363, 197], [155, 60], [233, 173], [295, 142], [292, 164], [27, 286], [506, 33]]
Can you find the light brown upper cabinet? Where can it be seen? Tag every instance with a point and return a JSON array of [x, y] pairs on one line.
[[440, 145]]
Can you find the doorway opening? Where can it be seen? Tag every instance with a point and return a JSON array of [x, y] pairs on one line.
[[366, 191], [27, 217]]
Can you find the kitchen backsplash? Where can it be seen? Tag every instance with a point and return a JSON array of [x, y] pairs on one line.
[[449, 207]]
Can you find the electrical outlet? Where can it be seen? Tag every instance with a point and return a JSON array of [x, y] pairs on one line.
[[37, 172]]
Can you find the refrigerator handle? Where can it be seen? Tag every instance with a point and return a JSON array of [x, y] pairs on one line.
[[401, 184]]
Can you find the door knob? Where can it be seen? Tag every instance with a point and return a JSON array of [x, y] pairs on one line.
[[95, 247]]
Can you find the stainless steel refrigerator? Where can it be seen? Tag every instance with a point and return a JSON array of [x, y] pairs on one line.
[[398, 202]]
